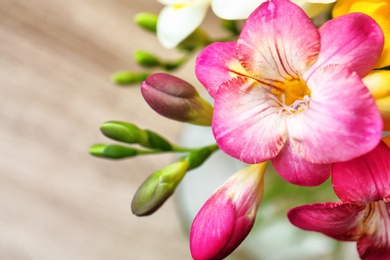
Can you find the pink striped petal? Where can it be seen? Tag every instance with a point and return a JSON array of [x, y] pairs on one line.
[[342, 121], [338, 220], [296, 170], [364, 179], [246, 124], [228, 215], [277, 42], [218, 59], [220, 212], [354, 40]]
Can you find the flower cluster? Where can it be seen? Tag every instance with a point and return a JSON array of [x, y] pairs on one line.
[[313, 102]]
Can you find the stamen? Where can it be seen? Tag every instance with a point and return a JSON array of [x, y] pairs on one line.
[[298, 105], [302, 104], [282, 104]]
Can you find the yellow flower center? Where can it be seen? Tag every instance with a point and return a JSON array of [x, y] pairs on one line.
[[292, 95]]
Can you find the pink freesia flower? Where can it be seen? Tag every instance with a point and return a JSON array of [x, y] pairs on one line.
[[228, 215], [291, 93], [363, 185]]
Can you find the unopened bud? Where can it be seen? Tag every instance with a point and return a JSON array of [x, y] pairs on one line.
[[130, 133], [128, 77], [157, 188], [228, 215], [148, 21], [121, 131], [176, 99], [112, 151], [146, 59]]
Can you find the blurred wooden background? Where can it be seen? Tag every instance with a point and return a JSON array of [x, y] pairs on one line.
[[57, 201]]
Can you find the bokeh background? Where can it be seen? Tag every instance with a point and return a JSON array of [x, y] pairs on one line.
[[57, 201]]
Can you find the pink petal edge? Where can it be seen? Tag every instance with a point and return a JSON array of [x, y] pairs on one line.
[[364, 179], [212, 227], [354, 40], [274, 46], [296, 170], [215, 64], [335, 219]]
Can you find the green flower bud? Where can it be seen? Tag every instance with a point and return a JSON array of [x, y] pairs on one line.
[[176, 99], [146, 59], [128, 77], [121, 131], [130, 133], [157, 188], [112, 151], [148, 21]]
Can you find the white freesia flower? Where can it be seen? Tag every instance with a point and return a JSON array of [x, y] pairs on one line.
[[179, 18]]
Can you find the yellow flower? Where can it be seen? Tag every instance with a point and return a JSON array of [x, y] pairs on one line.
[[378, 82]]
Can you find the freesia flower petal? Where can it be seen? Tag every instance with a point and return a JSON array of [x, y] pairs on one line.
[[293, 168], [375, 243], [343, 102], [246, 123], [364, 179], [379, 11], [335, 219], [233, 9], [228, 215], [246, 195], [176, 22], [220, 212], [220, 59], [354, 40], [378, 82], [274, 46]]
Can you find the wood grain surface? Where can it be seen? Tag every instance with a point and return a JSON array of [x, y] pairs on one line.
[[57, 201]]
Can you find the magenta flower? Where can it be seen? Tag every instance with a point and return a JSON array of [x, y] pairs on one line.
[[291, 93], [228, 215], [363, 185]]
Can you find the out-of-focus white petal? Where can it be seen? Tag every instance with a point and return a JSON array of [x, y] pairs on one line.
[[234, 9], [241, 9], [177, 21], [313, 7], [321, 1], [176, 2]]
